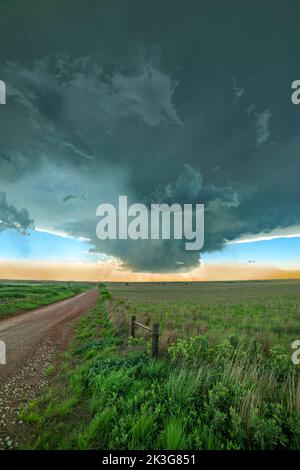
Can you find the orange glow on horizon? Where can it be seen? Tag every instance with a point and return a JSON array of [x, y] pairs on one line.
[[113, 272]]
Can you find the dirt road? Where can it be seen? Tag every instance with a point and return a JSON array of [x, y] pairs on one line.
[[31, 341]]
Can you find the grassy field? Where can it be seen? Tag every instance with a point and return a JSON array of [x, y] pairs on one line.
[[213, 387], [17, 297], [266, 310]]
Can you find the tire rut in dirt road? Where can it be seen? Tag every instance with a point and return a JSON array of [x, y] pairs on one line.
[[32, 339]]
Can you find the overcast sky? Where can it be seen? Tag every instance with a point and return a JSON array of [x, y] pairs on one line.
[[168, 101]]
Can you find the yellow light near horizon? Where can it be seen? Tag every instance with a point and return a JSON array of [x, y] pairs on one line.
[[112, 271]]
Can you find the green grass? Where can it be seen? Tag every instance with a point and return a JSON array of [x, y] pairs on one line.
[[266, 310], [202, 393], [17, 297]]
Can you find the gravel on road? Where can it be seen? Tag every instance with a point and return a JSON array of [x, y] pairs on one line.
[[33, 340]]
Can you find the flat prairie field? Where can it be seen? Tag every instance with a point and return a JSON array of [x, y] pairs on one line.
[[269, 311], [222, 377], [17, 297]]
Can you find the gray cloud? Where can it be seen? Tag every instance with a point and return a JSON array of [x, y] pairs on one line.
[[11, 218], [168, 255], [57, 104], [238, 91], [262, 126]]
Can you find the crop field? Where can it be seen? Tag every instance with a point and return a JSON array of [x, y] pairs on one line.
[[224, 378], [268, 311], [16, 297]]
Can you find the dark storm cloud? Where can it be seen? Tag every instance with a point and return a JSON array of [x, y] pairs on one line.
[[11, 218], [157, 101], [163, 255]]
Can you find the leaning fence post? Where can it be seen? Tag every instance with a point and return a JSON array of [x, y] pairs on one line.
[[133, 318], [155, 339]]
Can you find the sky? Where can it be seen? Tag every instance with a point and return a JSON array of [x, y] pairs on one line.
[[160, 102]]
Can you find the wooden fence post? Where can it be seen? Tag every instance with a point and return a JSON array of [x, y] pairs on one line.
[[155, 340], [133, 318]]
